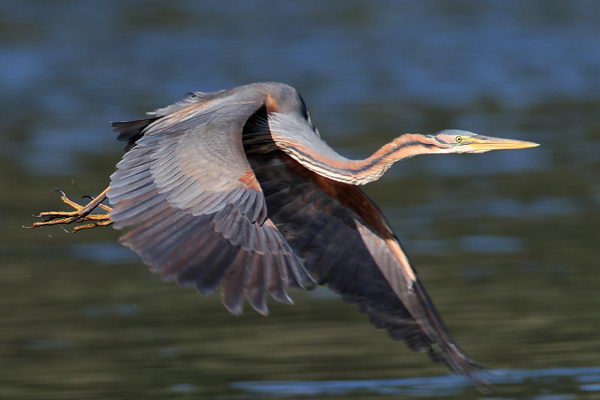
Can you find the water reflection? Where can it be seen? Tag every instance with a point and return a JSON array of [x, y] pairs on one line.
[[507, 243], [102, 252], [439, 386], [493, 244], [110, 310]]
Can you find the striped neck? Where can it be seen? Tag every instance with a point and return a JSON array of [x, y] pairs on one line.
[[360, 172]]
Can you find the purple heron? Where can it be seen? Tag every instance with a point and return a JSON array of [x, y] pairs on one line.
[[236, 190]]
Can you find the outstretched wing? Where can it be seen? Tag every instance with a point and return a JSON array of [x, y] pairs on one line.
[[197, 211], [343, 238], [197, 196]]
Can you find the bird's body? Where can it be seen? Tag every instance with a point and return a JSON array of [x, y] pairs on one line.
[[236, 189]]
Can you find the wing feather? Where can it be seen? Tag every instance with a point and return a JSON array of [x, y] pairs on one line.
[[206, 211], [193, 207], [343, 238]]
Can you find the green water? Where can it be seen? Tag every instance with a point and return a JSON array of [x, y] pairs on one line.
[[506, 243]]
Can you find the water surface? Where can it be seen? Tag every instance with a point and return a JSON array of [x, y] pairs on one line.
[[507, 242]]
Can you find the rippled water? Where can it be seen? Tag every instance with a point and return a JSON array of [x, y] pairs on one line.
[[506, 242]]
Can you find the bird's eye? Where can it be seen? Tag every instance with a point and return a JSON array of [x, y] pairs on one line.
[[458, 139]]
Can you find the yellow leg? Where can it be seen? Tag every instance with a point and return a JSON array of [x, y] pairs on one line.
[[81, 213], [92, 225]]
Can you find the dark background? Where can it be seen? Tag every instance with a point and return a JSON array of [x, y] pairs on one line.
[[506, 242]]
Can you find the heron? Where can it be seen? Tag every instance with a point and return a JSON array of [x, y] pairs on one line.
[[235, 190]]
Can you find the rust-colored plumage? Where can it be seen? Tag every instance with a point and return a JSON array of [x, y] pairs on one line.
[[235, 189]]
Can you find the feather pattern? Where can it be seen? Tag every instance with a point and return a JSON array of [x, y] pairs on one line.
[[193, 207], [236, 189], [345, 243]]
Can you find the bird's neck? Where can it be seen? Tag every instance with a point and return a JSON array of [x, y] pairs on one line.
[[360, 172], [405, 146]]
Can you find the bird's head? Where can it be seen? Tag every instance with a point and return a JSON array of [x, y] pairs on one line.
[[457, 141]]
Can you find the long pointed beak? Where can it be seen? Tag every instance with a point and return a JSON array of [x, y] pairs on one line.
[[486, 143]]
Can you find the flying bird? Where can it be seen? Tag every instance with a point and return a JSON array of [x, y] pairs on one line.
[[236, 190]]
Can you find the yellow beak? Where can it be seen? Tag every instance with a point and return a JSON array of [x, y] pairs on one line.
[[487, 143]]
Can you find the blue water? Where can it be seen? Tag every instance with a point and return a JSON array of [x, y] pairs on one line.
[[439, 386]]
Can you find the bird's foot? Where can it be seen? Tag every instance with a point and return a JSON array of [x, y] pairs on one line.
[[80, 213]]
